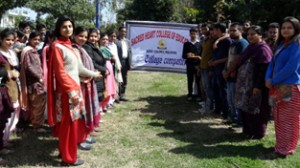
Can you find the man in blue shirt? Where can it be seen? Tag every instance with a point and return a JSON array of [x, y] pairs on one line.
[[220, 55], [238, 45]]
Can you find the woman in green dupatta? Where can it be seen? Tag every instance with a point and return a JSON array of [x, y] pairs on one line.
[[110, 82]]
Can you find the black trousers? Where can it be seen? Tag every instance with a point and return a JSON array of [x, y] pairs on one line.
[[124, 72], [191, 72]]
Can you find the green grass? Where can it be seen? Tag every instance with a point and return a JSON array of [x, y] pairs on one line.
[[157, 128]]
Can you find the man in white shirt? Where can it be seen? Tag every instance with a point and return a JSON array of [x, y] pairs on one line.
[[125, 55]]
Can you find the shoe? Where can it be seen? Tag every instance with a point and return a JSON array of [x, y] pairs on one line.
[[279, 155], [201, 103], [6, 151], [271, 149], [94, 134], [274, 155], [107, 111], [77, 163], [227, 122], [217, 111], [7, 145], [85, 146], [3, 162], [90, 141], [59, 156], [117, 101], [40, 130], [110, 106], [202, 110], [235, 125], [189, 98], [199, 99], [97, 129], [124, 99]]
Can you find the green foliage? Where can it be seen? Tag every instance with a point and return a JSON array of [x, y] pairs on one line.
[[85, 24], [194, 11], [78, 10], [155, 10], [50, 22], [192, 14], [157, 128], [110, 27], [19, 19]]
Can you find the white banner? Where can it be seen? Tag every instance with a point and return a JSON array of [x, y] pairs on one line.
[[158, 46]]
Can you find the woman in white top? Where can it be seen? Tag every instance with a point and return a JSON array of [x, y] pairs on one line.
[[118, 76]]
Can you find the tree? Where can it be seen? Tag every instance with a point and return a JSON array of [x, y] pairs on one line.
[[261, 12], [186, 12], [9, 4], [78, 10], [154, 10], [194, 11]]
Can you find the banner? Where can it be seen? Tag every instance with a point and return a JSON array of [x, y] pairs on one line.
[[157, 46]]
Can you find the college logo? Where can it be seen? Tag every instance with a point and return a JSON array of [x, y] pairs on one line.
[[162, 44]]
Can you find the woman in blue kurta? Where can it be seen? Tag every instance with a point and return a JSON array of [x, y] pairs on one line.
[[284, 71]]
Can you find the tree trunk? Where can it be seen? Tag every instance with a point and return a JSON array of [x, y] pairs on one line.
[[1, 14]]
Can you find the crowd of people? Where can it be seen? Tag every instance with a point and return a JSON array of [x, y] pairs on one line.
[[71, 76], [244, 73], [66, 78]]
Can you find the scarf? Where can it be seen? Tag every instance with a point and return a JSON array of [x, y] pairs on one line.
[[24, 92], [106, 53], [260, 52], [90, 88], [51, 113], [85, 58], [10, 56], [44, 63]]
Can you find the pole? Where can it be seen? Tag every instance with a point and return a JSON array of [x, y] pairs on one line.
[[97, 14]]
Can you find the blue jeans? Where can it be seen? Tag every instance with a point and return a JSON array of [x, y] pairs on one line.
[[220, 93], [235, 113], [207, 87]]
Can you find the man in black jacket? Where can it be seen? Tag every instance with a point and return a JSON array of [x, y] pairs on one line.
[[125, 56], [191, 53]]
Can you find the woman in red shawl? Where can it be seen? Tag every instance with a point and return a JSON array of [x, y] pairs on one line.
[[65, 103]]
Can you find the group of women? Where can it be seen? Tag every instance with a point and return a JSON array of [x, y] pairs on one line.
[[75, 79], [72, 78]]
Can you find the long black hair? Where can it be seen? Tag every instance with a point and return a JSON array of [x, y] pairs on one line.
[[92, 30], [59, 23], [49, 34], [32, 36], [257, 29], [296, 24], [79, 30], [7, 32]]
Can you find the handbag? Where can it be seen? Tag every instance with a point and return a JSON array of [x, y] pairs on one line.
[[280, 93], [244, 98]]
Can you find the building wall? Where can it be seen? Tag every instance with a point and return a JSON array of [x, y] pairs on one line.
[[9, 18]]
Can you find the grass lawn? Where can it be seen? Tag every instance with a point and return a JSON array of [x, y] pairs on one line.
[[157, 128]]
